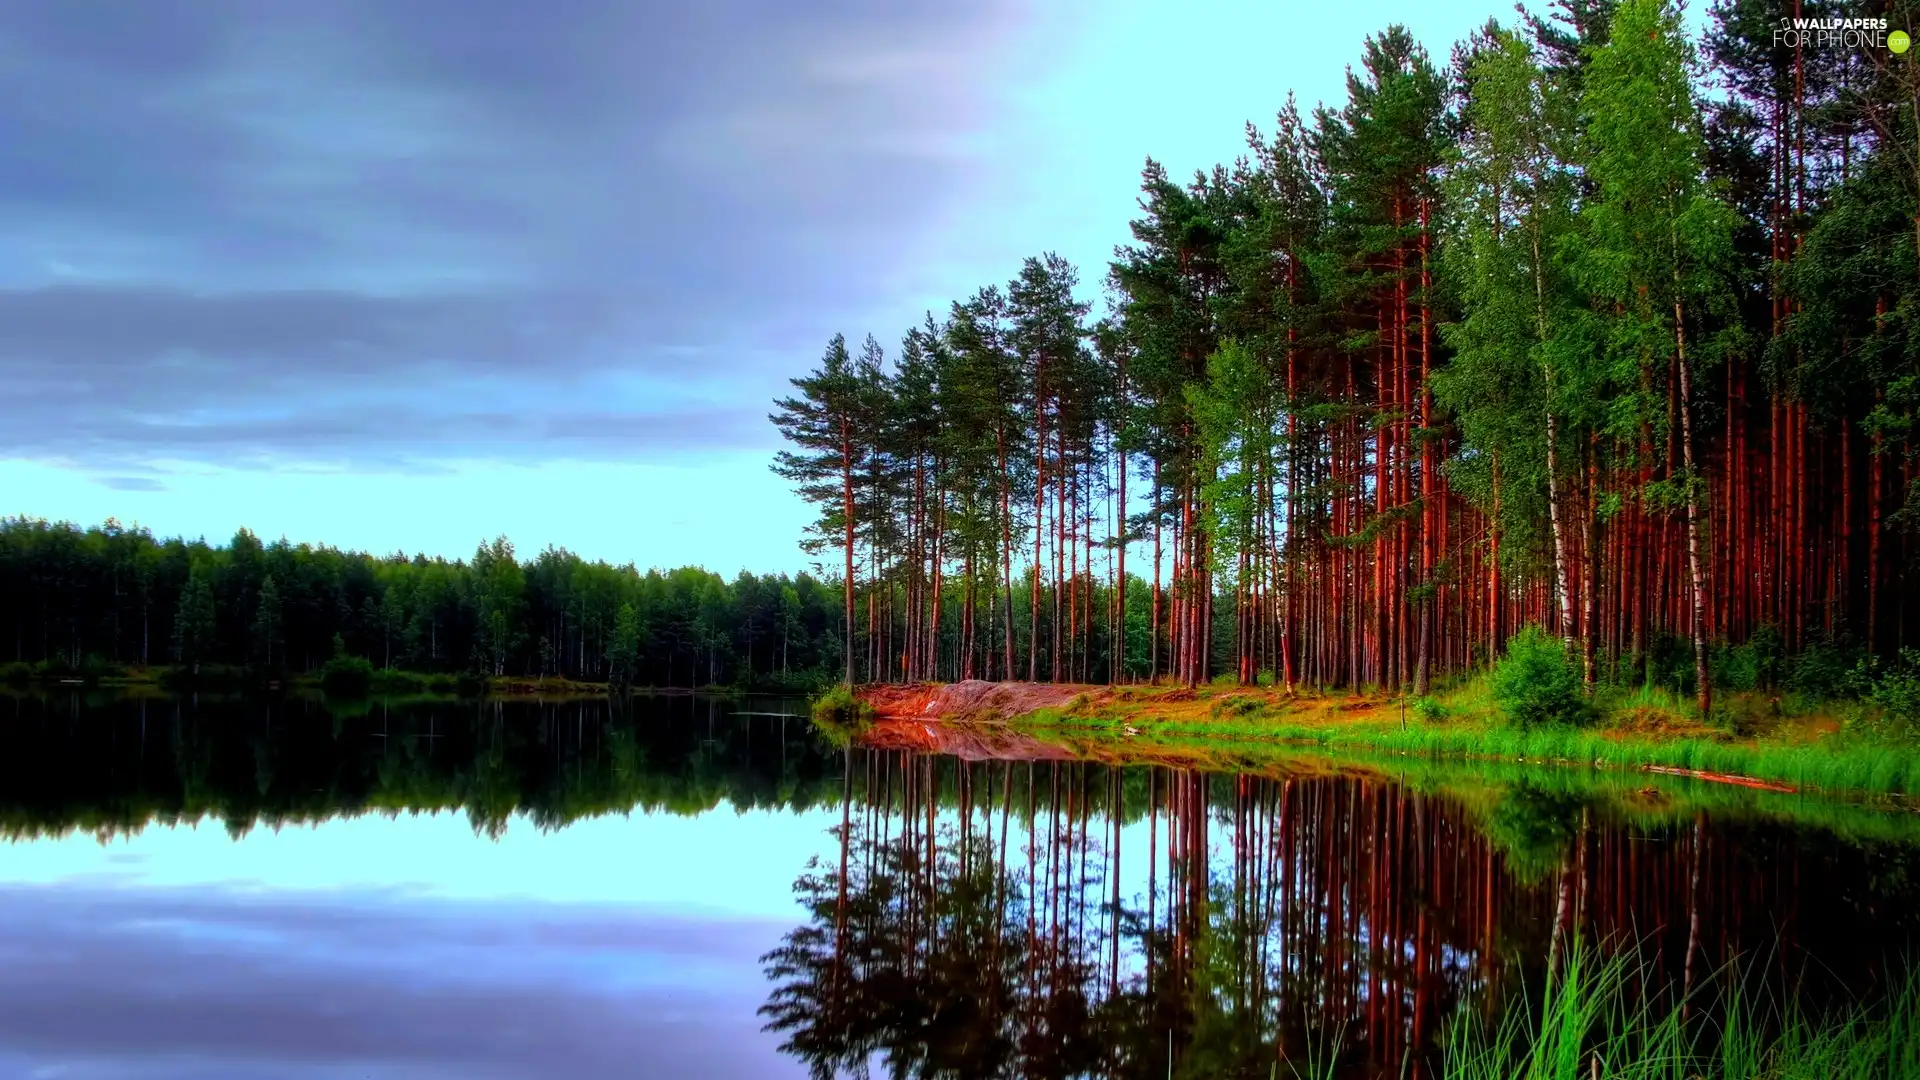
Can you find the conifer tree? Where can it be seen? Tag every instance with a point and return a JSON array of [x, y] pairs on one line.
[[827, 425]]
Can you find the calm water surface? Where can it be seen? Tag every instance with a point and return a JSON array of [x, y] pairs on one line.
[[695, 888]]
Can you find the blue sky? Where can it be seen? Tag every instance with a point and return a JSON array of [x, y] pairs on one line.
[[407, 276]]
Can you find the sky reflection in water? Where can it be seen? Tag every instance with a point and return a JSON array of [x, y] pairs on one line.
[[401, 948]]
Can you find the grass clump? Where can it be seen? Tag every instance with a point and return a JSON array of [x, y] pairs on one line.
[[841, 714], [1594, 1022], [1537, 684]]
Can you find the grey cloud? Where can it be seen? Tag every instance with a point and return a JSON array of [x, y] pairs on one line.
[[221, 206], [395, 437]]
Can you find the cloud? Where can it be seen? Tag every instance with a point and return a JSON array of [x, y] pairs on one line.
[[131, 483], [235, 228]]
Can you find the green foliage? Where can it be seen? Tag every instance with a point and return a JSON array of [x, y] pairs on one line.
[[193, 624], [841, 714], [1238, 707], [1825, 670], [266, 622], [1755, 664], [347, 676], [1430, 710], [1538, 683], [1893, 689], [1595, 1018], [133, 599], [1534, 827], [623, 652]]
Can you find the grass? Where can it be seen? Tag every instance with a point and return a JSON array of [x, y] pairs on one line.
[[1591, 1024], [1755, 736], [841, 715]]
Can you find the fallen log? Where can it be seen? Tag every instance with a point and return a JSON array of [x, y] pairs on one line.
[[1721, 778]]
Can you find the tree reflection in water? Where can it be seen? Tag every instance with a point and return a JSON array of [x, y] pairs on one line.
[[1059, 919]]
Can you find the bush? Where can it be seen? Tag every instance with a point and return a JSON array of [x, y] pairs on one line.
[[1895, 690], [1238, 707], [1669, 663], [347, 676], [1752, 665], [1537, 683], [1430, 711], [16, 673], [1265, 677], [1826, 669], [841, 715]]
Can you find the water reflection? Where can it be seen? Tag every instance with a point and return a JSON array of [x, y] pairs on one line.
[[987, 919], [580, 889], [433, 891], [109, 765]]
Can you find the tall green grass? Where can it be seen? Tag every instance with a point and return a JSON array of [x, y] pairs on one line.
[[841, 715], [1592, 1023], [1834, 765]]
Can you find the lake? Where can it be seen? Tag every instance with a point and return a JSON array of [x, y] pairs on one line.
[[693, 887]]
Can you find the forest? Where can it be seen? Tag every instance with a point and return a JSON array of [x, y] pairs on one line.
[[78, 601], [1585, 325]]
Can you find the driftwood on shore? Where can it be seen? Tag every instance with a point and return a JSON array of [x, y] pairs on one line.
[[1720, 778]]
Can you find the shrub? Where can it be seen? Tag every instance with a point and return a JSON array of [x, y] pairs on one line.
[[1265, 678], [347, 676], [1895, 690], [1669, 663], [1238, 707], [1537, 684], [840, 714], [1430, 711], [1755, 664], [1825, 670]]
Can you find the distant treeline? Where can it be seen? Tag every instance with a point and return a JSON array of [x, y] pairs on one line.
[[108, 595]]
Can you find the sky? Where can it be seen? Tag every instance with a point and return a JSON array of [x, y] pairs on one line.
[[405, 277]]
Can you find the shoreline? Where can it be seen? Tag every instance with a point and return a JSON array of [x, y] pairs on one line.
[[167, 680], [1806, 750]]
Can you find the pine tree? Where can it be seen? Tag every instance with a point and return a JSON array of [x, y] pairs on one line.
[[266, 621], [193, 624], [827, 424]]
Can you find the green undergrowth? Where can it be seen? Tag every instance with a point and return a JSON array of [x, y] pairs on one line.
[[1484, 786], [1836, 765], [841, 715]]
